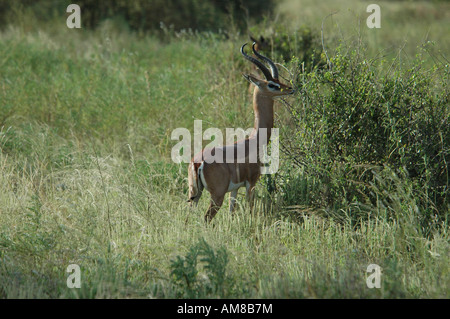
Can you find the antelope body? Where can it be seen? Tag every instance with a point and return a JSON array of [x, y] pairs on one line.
[[223, 169]]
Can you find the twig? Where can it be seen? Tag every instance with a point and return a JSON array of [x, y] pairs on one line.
[[323, 44]]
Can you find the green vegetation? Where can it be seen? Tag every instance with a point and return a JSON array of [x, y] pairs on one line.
[[86, 175], [147, 16]]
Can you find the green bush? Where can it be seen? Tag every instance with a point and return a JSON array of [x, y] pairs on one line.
[[359, 116], [185, 272], [285, 44], [143, 15]]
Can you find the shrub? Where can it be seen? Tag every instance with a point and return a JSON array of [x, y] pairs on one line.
[[185, 272], [145, 15], [359, 116], [302, 44]]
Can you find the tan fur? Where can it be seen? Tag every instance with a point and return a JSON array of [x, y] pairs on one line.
[[224, 177]]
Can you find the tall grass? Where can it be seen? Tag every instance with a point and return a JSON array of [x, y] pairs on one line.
[[86, 178], [404, 24]]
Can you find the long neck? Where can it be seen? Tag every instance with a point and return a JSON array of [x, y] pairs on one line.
[[263, 109]]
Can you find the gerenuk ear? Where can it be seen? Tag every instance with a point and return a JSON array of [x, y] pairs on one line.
[[252, 79]]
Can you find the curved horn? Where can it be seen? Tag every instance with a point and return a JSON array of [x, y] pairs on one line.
[[272, 65], [261, 66]]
